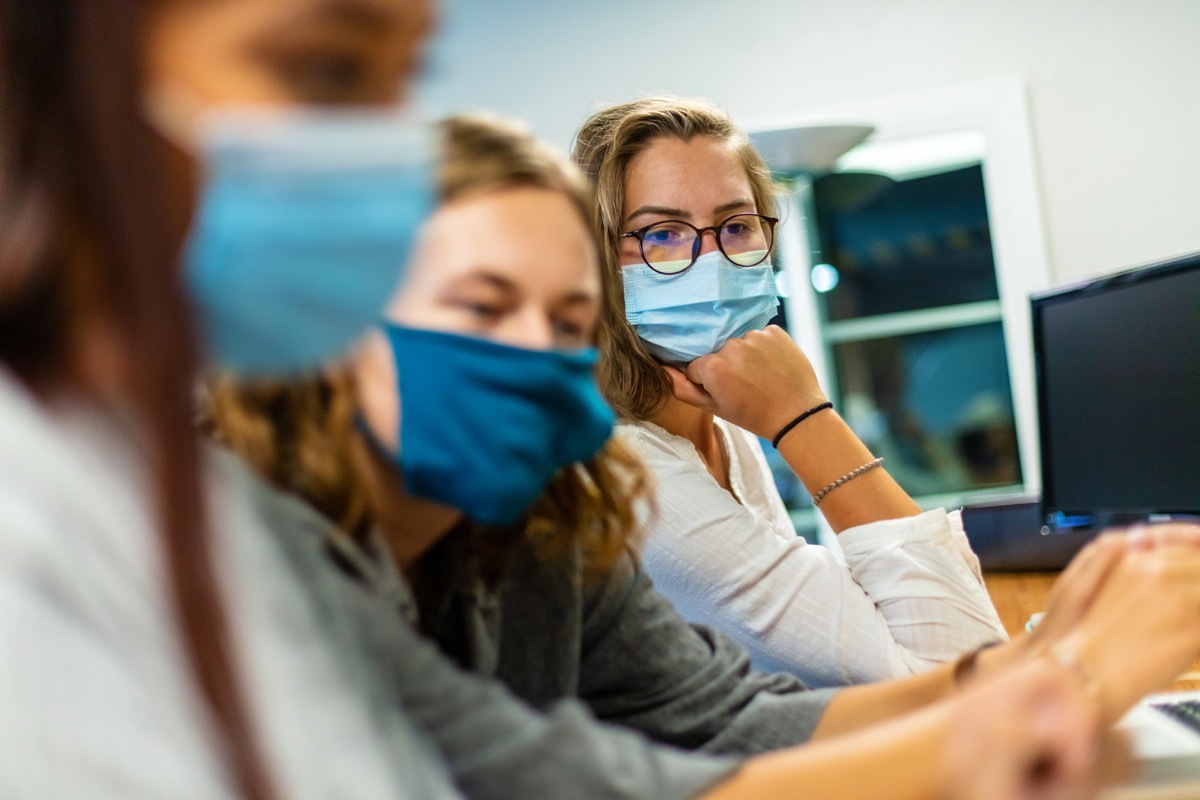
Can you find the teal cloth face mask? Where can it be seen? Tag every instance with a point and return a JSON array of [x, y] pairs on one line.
[[305, 221], [685, 316], [484, 426]]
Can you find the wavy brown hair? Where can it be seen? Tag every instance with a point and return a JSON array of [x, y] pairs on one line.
[[301, 435], [83, 237], [631, 378]]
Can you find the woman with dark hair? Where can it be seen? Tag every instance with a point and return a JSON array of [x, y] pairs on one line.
[[125, 126]]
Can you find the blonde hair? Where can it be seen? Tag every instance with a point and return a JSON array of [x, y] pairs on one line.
[[301, 434], [631, 378]]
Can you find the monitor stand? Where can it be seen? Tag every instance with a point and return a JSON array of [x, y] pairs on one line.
[[1012, 535]]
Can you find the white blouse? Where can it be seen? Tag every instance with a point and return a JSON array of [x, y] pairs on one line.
[[96, 698], [909, 596]]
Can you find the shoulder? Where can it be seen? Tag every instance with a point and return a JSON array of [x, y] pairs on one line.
[[64, 477], [275, 510]]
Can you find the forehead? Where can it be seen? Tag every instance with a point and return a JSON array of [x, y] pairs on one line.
[[533, 237], [416, 13], [697, 175], [225, 21]]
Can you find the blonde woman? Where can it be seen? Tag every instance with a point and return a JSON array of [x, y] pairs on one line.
[[475, 401], [684, 207]]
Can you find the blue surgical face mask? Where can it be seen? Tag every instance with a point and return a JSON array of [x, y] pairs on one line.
[[484, 426], [685, 316], [304, 223]]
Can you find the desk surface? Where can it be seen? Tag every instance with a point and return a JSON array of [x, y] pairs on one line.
[[1017, 595]]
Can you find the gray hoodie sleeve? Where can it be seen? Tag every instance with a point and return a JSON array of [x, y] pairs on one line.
[[494, 745], [648, 668], [498, 748]]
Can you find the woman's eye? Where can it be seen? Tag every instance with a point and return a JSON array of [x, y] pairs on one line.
[[485, 311], [332, 77], [570, 333]]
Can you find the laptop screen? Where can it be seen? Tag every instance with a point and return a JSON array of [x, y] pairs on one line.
[[1118, 370]]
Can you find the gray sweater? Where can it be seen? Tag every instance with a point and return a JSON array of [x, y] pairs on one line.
[[616, 644], [494, 745], [570, 653]]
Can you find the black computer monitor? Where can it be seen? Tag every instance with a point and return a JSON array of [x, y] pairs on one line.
[[1118, 371]]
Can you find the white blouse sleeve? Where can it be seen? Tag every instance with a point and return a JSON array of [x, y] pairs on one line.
[[911, 596]]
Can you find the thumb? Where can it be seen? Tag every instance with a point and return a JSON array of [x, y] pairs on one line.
[[688, 392]]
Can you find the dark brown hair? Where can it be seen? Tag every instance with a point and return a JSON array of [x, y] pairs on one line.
[[83, 236]]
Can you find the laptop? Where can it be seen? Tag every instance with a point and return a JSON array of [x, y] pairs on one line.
[[1164, 730]]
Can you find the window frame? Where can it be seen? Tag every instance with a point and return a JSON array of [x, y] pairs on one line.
[[999, 110]]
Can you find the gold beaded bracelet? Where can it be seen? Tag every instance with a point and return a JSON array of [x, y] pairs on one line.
[[849, 476]]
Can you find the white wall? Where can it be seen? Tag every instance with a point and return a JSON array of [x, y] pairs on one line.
[[1114, 85]]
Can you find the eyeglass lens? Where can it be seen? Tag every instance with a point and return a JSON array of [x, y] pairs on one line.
[[671, 247]]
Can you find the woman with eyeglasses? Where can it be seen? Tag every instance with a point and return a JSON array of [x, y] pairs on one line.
[[182, 185], [697, 375]]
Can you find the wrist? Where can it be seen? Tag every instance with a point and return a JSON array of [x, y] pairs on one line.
[[775, 415], [968, 665], [1004, 656], [1086, 661], [798, 420]]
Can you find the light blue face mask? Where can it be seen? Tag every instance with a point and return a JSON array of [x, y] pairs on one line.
[[484, 426], [304, 223], [685, 316]]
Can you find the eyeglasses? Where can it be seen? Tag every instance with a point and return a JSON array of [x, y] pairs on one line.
[[672, 246]]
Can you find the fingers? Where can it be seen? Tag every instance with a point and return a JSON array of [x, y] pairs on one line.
[[687, 391], [1095, 559], [697, 369], [1060, 739], [758, 382], [1087, 574], [1031, 734], [1077, 588], [1142, 629], [1144, 537]]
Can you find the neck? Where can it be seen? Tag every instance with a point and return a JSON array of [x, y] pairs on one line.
[[410, 525], [694, 424]]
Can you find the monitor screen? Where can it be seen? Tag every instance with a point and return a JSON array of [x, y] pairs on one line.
[[1118, 363]]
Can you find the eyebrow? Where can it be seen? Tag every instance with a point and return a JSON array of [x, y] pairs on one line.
[[368, 15], [679, 213], [503, 284], [482, 275], [741, 202], [580, 299]]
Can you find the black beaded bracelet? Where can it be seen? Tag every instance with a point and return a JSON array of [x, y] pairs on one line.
[[784, 430]]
